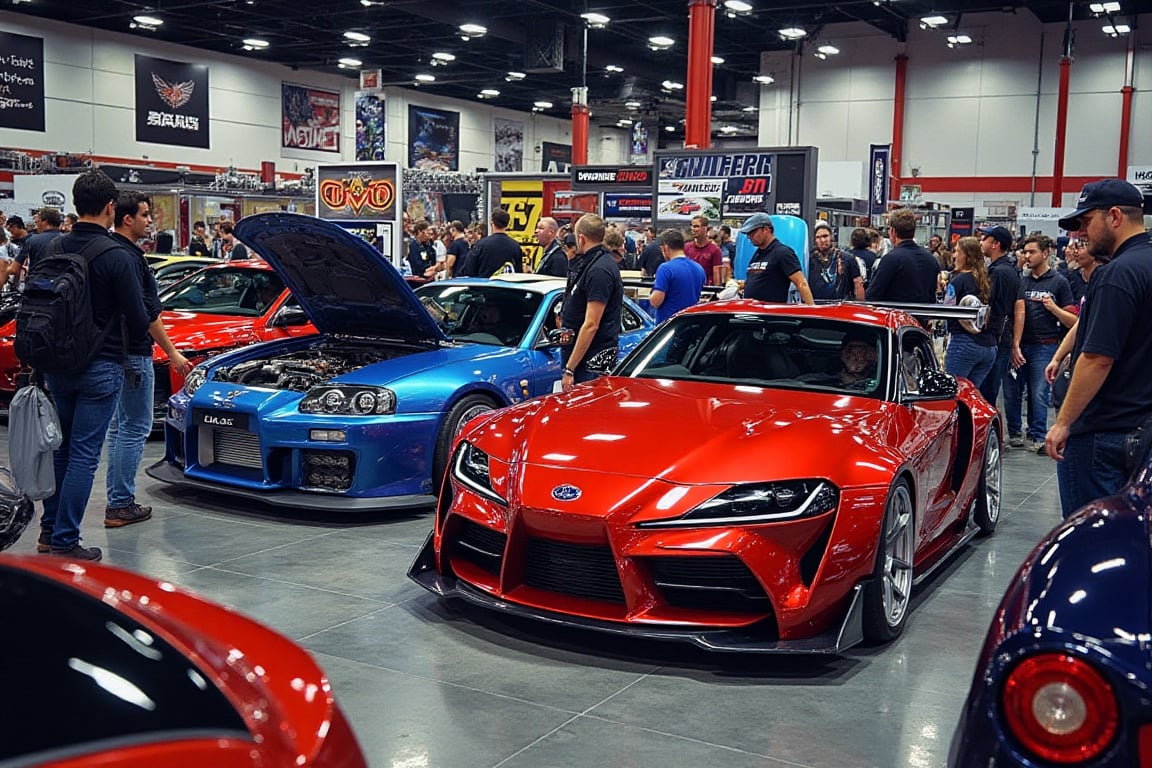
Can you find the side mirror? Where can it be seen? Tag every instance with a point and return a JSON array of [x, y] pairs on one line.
[[934, 385], [555, 338], [289, 316]]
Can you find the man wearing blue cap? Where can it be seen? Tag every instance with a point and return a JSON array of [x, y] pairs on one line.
[[1110, 393], [774, 267]]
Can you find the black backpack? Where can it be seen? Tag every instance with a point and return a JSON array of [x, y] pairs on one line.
[[55, 327]]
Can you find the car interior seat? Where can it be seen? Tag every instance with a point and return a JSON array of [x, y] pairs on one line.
[[748, 357]]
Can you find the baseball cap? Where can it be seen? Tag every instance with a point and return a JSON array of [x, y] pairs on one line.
[[1002, 235], [821, 224], [755, 222], [15, 221], [1103, 194], [569, 241]]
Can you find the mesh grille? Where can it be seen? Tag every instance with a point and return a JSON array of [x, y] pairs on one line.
[[483, 547], [237, 448], [581, 570], [721, 583], [161, 391]]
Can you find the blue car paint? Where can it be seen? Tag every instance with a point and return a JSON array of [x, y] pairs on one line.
[[1085, 590], [394, 453]]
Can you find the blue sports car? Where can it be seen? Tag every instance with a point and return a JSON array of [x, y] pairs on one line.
[[1065, 675], [361, 416]]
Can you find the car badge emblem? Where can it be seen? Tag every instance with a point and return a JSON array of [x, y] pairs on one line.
[[226, 400], [566, 493]]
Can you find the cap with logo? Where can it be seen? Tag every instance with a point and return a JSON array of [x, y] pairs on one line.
[[1002, 235], [1102, 195], [755, 222]]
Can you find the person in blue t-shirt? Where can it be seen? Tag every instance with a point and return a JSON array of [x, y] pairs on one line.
[[679, 280]]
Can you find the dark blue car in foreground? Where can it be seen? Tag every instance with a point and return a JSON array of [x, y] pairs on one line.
[[1065, 675]]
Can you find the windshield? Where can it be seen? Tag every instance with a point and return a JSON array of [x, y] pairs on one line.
[[764, 350], [485, 314], [225, 291]]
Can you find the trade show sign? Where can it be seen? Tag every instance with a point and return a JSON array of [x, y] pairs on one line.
[[363, 198], [627, 205], [309, 118], [171, 102], [878, 171], [21, 82], [433, 139]]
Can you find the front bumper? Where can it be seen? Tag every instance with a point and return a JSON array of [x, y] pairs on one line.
[[166, 472], [733, 640]]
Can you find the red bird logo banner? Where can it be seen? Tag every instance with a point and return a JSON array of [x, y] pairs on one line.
[[174, 95]]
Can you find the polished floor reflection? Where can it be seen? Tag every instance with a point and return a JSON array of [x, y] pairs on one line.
[[429, 685]]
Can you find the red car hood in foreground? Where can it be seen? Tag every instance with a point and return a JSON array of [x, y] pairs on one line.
[[281, 696], [694, 432]]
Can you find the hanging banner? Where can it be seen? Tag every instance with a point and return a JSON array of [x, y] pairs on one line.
[[878, 172], [356, 192], [555, 158], [370, 125], [371, 79], [21, 82], [433, 139], [620, 205], [509, 136], [639, 154], [310, 118], [171, 102]]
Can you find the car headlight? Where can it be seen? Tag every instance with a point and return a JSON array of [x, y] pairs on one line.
[[470, 468], [195, 379], [349, 401], [759, 503]]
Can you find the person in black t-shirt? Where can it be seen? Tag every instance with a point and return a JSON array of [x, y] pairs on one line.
[[421, 251], [651, 257], [865, 258], [1005, 280], [970, 355], [592, 306], [1110, 392], [774, 267], [553, 260], [496, 254], [908, 273], [457, 249]]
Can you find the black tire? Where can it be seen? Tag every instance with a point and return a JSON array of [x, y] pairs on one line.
[[465, 408], [887, 597], [989, 497]]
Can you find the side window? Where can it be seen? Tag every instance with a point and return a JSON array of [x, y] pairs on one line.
[[629, 321], [551, 319], [916, 356]]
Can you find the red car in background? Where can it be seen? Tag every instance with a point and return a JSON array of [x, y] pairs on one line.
[[220, 308], [142, 673]]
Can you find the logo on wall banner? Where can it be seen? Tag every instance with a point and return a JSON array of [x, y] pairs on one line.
[[712, 166], [681, 200], [747, 196], [310, 118], [171, 102], [618, 204], [878, 171], [356, 192]]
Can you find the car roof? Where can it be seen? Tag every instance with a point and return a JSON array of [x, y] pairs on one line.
[[536, 283], [849, 312]]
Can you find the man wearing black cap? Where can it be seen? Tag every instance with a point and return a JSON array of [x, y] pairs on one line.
[[1110, 393], [774, 267], [995, 242]]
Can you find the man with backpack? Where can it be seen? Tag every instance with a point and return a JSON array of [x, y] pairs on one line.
[[82, 302]]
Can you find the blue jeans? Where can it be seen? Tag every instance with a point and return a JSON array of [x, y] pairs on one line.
[[1015, 380], [968, 359], [85, 403], [1093, 468], [998, 373], [1036, 358], [129, 429]]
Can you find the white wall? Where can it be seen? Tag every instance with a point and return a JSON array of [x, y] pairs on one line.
[[970, 112], [90, 96]]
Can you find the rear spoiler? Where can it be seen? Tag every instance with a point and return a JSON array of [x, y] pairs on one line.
[[975, 314]]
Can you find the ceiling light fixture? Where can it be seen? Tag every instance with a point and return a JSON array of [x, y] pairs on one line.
[[633, 104], [514, 76], [672, 85], [713, 99], [828, 49], [595, 20], [670, 128], [717, 59], [489, 92], [441, 58], [542, 105], [793, 33], [623, 121], [750, 109], [737, 6], [424, 77], [1111, 7], [764, 79], [961, 39], [146, 23], [729, 129], [254, 44], [357, 39], [349, 62], [469, 31], [660, 42], [1116, 30], [613, 68], [931, 22]]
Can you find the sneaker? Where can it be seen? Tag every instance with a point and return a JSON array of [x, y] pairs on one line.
[[1038, 447], [44, 542], [117, 517], [1016, 441], [77, 552]]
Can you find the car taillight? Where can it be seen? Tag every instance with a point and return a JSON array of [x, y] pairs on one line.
[[1059, 708]]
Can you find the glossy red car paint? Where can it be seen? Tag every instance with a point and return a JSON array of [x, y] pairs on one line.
[[281, 694], [646, 449]]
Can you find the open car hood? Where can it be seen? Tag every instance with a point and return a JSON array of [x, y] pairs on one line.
[[344, 284]]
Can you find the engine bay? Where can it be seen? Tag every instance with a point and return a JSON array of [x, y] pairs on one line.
[[301, 370]]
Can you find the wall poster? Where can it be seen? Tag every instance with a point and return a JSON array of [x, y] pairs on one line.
[[171, 102], [21, 82], [310, 118], [433, 139], [555, 158], [370, 125], [509, 136], [362, 198]]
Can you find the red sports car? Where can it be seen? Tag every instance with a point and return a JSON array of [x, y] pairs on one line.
[[106, 667], [753, 477], [222, 307]]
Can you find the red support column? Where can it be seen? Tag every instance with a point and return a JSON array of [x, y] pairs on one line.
[[701, 31], [580, 113], [898, 124], [1125, 130], [1061, 131]]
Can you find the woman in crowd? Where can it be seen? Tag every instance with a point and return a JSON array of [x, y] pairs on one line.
[[970, 354]]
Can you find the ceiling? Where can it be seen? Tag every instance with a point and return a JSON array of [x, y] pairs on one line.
[[540, 38]]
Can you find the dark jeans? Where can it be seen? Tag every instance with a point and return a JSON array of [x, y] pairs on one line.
[[1093, 467], [85, 403], [999, 372], [1031, 374], [967, 359]]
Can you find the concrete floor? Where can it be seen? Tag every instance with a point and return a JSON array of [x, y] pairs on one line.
[[433, 685]]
